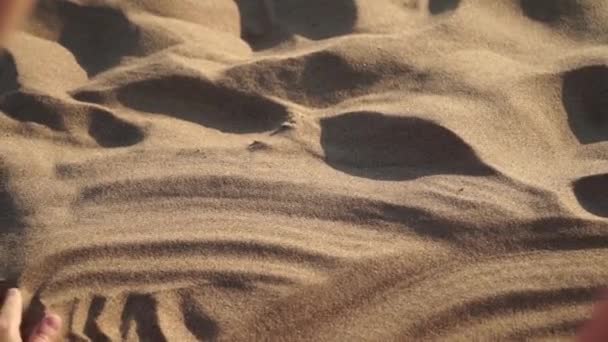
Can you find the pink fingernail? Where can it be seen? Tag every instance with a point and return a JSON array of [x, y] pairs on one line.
[[13, 292], [52, 321]]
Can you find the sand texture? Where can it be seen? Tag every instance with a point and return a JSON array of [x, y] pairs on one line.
[[307, 170]]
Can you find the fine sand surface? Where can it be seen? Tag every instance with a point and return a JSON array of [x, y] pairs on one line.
[[319, 170]]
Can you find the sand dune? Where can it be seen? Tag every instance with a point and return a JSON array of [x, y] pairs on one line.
[[323, 170]]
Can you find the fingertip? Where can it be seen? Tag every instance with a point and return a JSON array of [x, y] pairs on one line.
[[13, 297], [13, 292], [12, 300], [53, 321], [49, 326]]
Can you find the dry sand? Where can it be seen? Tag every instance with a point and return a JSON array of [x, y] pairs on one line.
[[327, 170]]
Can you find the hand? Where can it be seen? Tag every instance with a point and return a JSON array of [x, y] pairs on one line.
[[596, 330], [10, 320]]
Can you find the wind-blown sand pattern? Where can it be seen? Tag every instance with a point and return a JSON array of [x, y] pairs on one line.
[[316, 170]]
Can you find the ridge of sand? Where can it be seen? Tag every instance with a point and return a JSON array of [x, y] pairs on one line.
[[319, 170]]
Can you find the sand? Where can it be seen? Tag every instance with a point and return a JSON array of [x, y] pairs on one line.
[[315, 170]]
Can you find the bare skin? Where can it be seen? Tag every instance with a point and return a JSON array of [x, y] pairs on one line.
[[11, 312], [596, 330]]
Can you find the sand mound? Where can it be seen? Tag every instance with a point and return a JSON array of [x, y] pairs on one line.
[[323, 170]]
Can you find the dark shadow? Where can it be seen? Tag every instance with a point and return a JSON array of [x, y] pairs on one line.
[[10, 213], [553, 226], [11, 234], [234, 281], [566, 243], [141, 309], [266, 23], [504, 304], [8, 73], [565, 233], [104, 127], [26, 107], [90, 96], [585, 99], [110, 131], [98, 36], [325, 74], [91, 329], [549, 11], [197, 321], [32, 315], [552, 330], [205, 103], [258, 24], [591, 192], [379, 146], [265, 197], [441, 6]]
